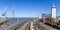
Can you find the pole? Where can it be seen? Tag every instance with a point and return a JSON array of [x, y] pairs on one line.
[[13, 13]]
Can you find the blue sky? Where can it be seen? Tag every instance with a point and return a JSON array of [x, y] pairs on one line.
[[28, 8]]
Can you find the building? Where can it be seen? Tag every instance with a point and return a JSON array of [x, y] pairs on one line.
[[52, 15], [57, 18], [44, 16], [53, 11]]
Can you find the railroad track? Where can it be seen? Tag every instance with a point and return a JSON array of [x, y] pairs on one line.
[[28, 26], [23, 26], [16, 26]]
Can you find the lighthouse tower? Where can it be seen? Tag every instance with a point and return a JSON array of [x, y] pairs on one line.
[[53, 11]]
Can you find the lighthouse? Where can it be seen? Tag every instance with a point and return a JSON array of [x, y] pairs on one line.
[[53, 11]]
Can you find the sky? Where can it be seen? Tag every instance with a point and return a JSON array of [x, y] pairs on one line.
[[28, 8]]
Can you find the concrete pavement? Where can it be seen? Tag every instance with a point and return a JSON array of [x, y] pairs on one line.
[[42, 26]]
